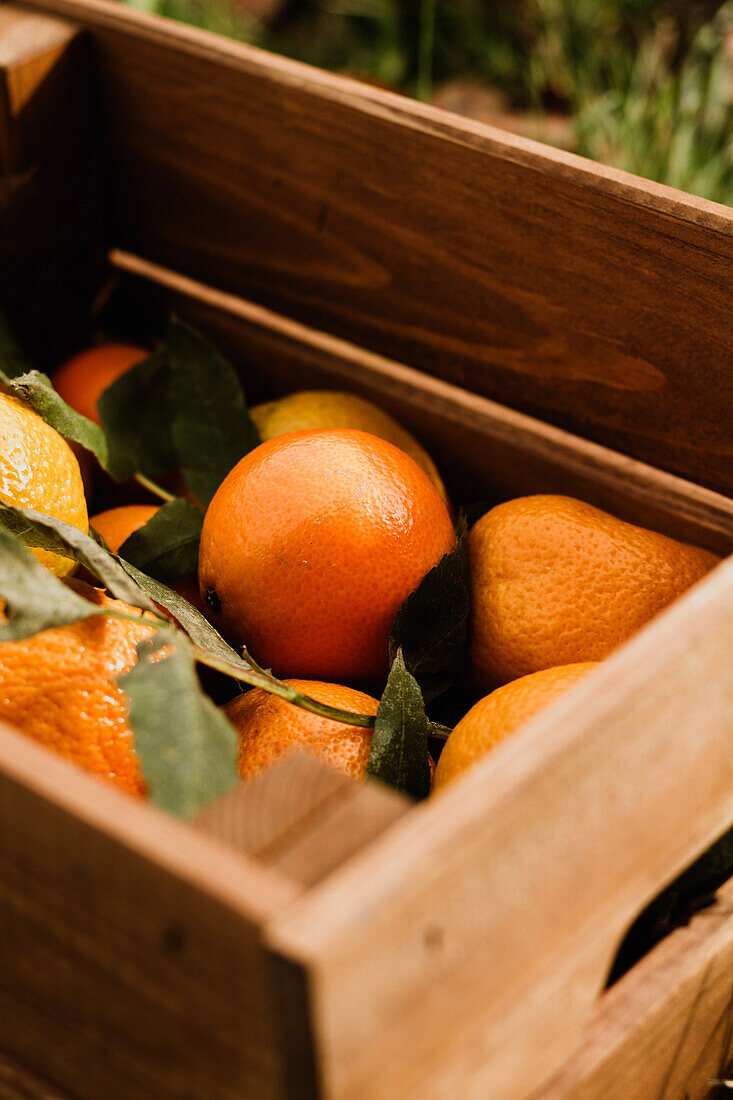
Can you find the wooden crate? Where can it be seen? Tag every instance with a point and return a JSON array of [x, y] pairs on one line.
[[309, 937]]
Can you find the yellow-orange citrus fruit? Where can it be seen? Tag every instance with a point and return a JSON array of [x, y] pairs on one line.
[[59, 688], [117, 524], [495, 716], [313, 409], [269, 727], [82, 380], [555, 581], [312, 543], [38, 470]]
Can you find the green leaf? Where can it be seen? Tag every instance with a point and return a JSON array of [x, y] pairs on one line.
[[211, 428], [187, 748], [431, 626], [136, 413], [12, 359], [37, 390], [48, 533], [34, 598], [399, 753], [167, 546]]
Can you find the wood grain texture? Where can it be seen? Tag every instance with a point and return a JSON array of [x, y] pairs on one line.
[[665, 1031], [131, 961], [477, 933], [302, 817], [51, 240], [485, 451], [593, 299], [16, 1083]]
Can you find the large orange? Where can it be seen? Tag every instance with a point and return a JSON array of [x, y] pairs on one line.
[[82, 380], [555, 581], [310, 409], [59, 688], [38, 470], [269, 727], [312, 543], [117, 524], [494, 717]]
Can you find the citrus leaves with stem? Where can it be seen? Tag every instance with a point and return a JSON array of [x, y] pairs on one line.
[[399, 753], [188, 761]]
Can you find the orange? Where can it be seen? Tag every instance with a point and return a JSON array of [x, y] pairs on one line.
[[494, 717], [269, 727], [117, 524], [312, 409], [38, 470], [310, 546], [82, 380], [59, 688], [555, 581]]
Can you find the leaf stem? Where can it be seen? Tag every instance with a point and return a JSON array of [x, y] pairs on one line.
[[441, 732], [154, 488], [256, 677]]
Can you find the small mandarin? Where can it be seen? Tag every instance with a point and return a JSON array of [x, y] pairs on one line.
[[82, 380], [312, 543], [555, 581], [58, 687], [269, 727], [497, 715], [38, 470], [310, 409], [117, 524]]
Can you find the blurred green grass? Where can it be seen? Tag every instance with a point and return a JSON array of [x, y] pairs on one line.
[[645, 85]]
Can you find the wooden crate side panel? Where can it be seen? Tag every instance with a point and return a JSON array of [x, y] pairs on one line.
[[584, 296], [131, 961], [464, 952], [485, 451], [665, 1030]]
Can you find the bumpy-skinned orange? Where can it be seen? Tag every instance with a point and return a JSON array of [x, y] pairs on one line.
[[555, 581], [310, 546]]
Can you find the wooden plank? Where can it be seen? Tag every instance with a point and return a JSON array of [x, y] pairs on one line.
[[579, 294], [131, 960], [16, 1083], [486, 451], [477, 933], [302, 817], [665, 1030], [49, 190]]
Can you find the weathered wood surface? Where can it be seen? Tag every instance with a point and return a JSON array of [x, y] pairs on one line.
[[477, 933], [665, 1031], [596, 300]]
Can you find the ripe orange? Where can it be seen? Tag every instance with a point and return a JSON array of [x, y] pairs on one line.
[[555, 581], [269, 727], [312, 543], [38, 470], [59, 688], [117, 524], [495, 716], [82, 380], [313, 409]]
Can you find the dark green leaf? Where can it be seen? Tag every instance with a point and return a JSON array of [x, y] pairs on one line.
[[136, 413], [34, 598], [12, 359], [38, 391], [167, 546], [399, 753], [431, 626], [211, 427], [48, 533], [187, 748]]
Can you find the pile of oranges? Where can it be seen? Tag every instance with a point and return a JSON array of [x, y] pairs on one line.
[[309, 548]]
